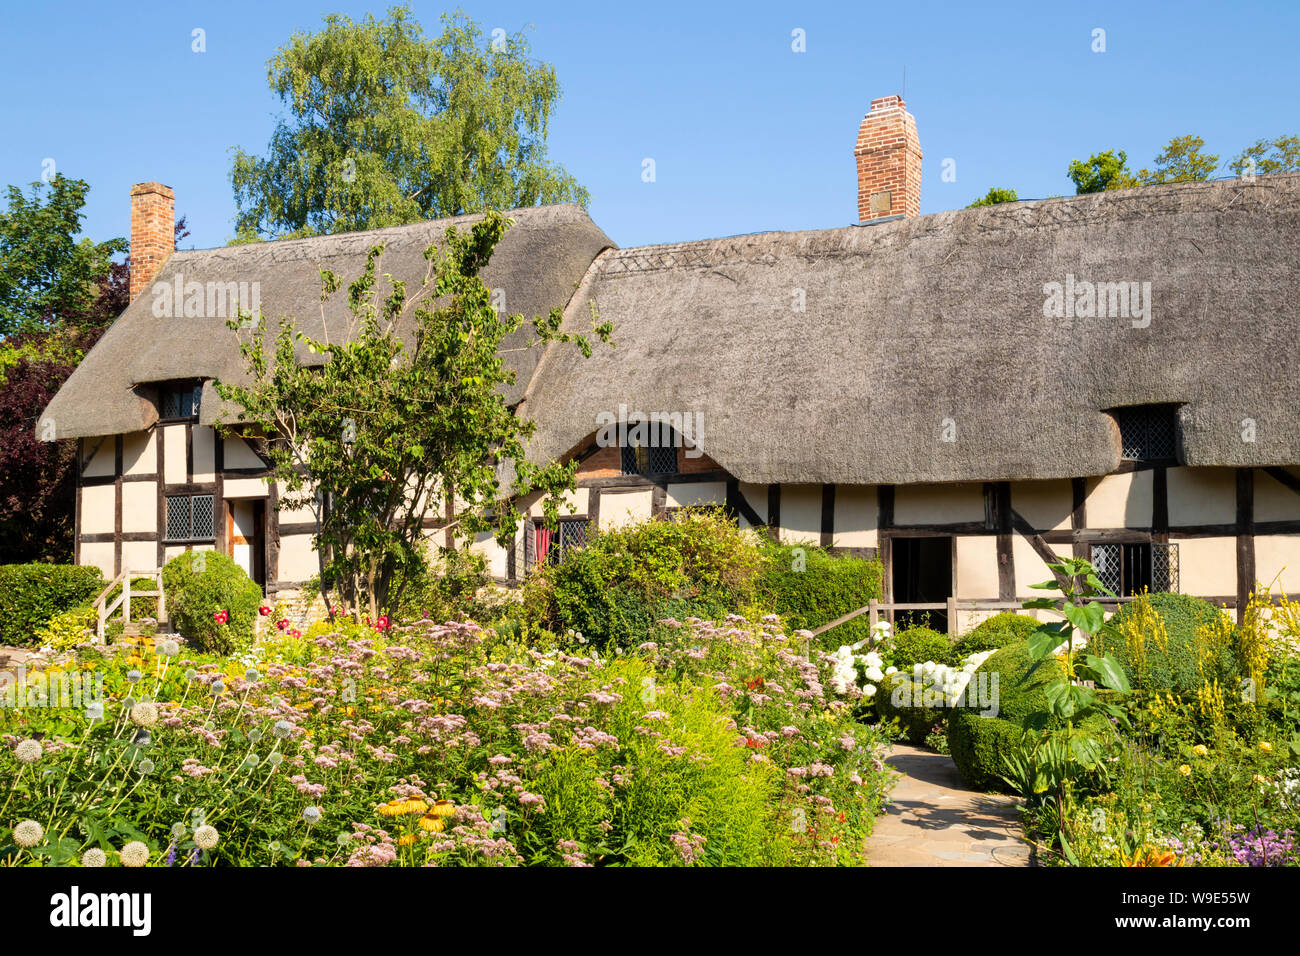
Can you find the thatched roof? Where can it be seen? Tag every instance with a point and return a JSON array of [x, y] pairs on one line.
[[537, 265], [915, 321]]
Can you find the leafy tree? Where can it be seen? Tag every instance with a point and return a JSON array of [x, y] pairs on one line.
[[1181, 161], [1102, 171], [45, 272], [1280, 155], [388, 127], [76, 292], [392, 426], [993, 197]]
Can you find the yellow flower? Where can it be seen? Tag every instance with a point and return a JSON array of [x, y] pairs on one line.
[[431, 822], [1185, 770], [406, 839], [1265, 746], [443, 808], [1200, 750], [1260, 778]]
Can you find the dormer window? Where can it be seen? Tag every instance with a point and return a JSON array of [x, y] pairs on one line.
[[179, 402], [1148, 432]]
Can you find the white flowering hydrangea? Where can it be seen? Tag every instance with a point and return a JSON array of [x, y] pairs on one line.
[[853, 669]]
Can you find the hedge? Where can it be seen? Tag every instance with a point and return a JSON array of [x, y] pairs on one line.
[[978, 744], [31, 594], [995, 633], [809, 587], [198, 585], [1174, 669]]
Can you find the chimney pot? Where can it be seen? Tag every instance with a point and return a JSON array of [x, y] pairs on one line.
[[889, 161], [153, 232]]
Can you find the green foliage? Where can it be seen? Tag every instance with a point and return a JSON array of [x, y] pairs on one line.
[[394, 425], [444, 589], [68, 629], [31, 594], [388, 126], [995, 633], [1181, 161], [1174, 667], [1102, 171], [621, 582], [810, 587], [993, 197], [918, 645], [198, 585], [1280, 155], [45, 273], [915, 723]]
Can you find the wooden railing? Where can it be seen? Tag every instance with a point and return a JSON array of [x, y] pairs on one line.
[[951, 606], [104, 610]]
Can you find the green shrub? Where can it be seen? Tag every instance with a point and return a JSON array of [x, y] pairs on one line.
[[978, 744], [914, 722], [1175, 668], [444, 589], [918, 645], [198, 584], [995, 633], [31, 594], [810, 587], [65, 631], [614, 588]]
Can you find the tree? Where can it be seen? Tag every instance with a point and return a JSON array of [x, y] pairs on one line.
[[392, 426], [1181, 161], [77, 291], [388, 127], [1281, 155], [45, 272], [993, 197], [1102, 171]]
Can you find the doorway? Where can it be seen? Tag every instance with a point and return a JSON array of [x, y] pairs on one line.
[[922, 574], [246, 536]]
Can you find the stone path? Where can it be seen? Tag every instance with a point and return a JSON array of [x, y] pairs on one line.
[[934, 820]]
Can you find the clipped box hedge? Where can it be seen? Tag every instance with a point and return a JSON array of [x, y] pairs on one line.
[[32, 594]]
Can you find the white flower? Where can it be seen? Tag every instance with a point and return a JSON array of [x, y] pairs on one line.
[[28, 833], [282, 729], [144, 714], [874, 674], [869, 690], [94, 857], [29, 751], [205, 837], [891, 669], [312, 815], [169, 648], [135, 854]]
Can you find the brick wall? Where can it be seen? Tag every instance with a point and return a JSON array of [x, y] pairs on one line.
[[153, 232], [889, 161]]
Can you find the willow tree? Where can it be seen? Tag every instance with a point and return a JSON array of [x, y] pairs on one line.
[[406, 413], [386, 126]]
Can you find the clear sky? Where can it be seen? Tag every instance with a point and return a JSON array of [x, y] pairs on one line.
[[747, 135]]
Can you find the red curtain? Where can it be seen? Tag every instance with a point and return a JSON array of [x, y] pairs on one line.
[[543, 542]]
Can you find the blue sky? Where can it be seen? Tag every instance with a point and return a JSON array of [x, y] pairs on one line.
[[746, 134]]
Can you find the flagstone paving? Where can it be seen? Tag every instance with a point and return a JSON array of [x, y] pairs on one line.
[[934, 820]]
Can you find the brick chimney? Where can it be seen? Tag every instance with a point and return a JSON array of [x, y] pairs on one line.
[[889, 161], [153, 232]]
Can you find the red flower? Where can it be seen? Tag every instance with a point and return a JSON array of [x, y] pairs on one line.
[[754, 684], [221, 617], [751, 742], [295, 633], [264, 610], [382, 623], [282, 623]]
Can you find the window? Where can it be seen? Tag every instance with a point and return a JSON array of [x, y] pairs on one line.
[[649, 460], [189, 518], [1148, 432], [179, 401], [1129, 569], [541, 544]]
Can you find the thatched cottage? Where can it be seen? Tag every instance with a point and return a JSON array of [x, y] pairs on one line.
[[964, 394]]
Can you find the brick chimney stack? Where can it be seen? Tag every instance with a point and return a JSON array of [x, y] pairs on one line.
[[889, 161], [153, 232]]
